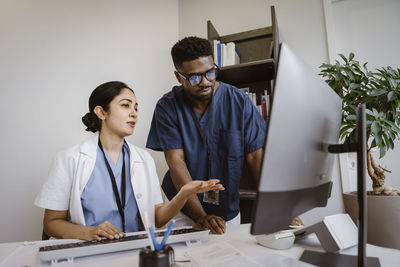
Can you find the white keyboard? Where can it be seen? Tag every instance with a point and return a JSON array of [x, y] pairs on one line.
[[135, 240]]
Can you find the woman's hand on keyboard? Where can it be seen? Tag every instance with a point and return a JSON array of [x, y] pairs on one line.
[[196, 187], [105, 229]]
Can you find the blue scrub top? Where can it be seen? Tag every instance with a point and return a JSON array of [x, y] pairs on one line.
[[98, 199], [238, 129]]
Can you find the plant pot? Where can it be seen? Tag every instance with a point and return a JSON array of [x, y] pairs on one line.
[[383, 218]]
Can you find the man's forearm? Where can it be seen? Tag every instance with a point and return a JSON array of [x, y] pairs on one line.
[[180, 176], [254, 161]]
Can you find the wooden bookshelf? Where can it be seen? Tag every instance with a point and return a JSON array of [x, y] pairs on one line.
[[255, 75], [256, 71]]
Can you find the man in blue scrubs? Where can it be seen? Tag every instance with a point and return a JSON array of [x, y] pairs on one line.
[[207, 129]]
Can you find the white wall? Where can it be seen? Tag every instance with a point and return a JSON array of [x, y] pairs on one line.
[[227, 16], [301, 25], [52, 55], [370, 29]]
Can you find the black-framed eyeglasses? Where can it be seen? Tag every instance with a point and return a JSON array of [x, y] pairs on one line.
[[195, 79]]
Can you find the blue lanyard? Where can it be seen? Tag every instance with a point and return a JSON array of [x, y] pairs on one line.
[[121, 205], [203, 137]]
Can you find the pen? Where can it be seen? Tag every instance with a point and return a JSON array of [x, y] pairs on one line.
[[146, 218], [167, 233], [153, 237]]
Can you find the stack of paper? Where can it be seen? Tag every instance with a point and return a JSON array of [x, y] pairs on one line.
[[219, 254]]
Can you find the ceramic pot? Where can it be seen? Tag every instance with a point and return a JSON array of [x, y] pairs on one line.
[[383, 218]]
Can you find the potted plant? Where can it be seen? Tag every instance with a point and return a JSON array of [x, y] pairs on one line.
[[379, 90]]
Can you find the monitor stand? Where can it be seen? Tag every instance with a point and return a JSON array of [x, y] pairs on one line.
[[329, 259]]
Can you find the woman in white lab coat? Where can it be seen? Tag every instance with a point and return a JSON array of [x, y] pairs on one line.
[[105, 186]]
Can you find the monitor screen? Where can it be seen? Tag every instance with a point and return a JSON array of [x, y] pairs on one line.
[[296, 167]]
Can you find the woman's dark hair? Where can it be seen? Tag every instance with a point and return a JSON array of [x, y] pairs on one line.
[[190, 48], [101, 96]]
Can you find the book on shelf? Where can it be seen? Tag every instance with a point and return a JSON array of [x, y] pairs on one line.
[[245, 90], [260, 100], [217, 52], [259, 108], [267, 104], [232, 54], [225, 54], [263, 108]]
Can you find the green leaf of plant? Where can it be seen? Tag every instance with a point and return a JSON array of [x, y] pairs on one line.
[[378, 139], [392, 83], [349, 73], [343, 57], [391, 144], [343, 136], [397, 82], [378, 92], [365, 66], [392, 135], [325, 65], [351, 56], [375, 127], [352, 137], [351, 117], [373, 143], [376, 113], [369, 112], [394, 126], [347, 127], [382, 151], [354, 86], [386, 140], [390, 96]]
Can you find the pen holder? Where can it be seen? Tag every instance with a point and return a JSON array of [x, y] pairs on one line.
[[157, 258]]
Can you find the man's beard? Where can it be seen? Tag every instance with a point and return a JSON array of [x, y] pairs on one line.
[[201, 98]]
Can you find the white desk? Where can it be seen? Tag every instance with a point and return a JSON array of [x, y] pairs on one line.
[[15, 254]]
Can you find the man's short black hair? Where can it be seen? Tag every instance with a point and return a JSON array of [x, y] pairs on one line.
[[190, 48]]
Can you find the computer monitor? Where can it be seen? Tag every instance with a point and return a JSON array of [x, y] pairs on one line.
[[302, 137], [296, 167]]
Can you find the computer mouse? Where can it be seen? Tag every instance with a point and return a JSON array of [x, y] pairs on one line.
[[277, 240]]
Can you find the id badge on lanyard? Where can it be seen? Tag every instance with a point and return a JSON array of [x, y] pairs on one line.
[[211, 196]]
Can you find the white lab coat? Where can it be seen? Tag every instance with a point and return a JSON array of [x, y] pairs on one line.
[[71, 171]]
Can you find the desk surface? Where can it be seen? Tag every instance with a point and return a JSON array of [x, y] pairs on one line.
[[16, 254]]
